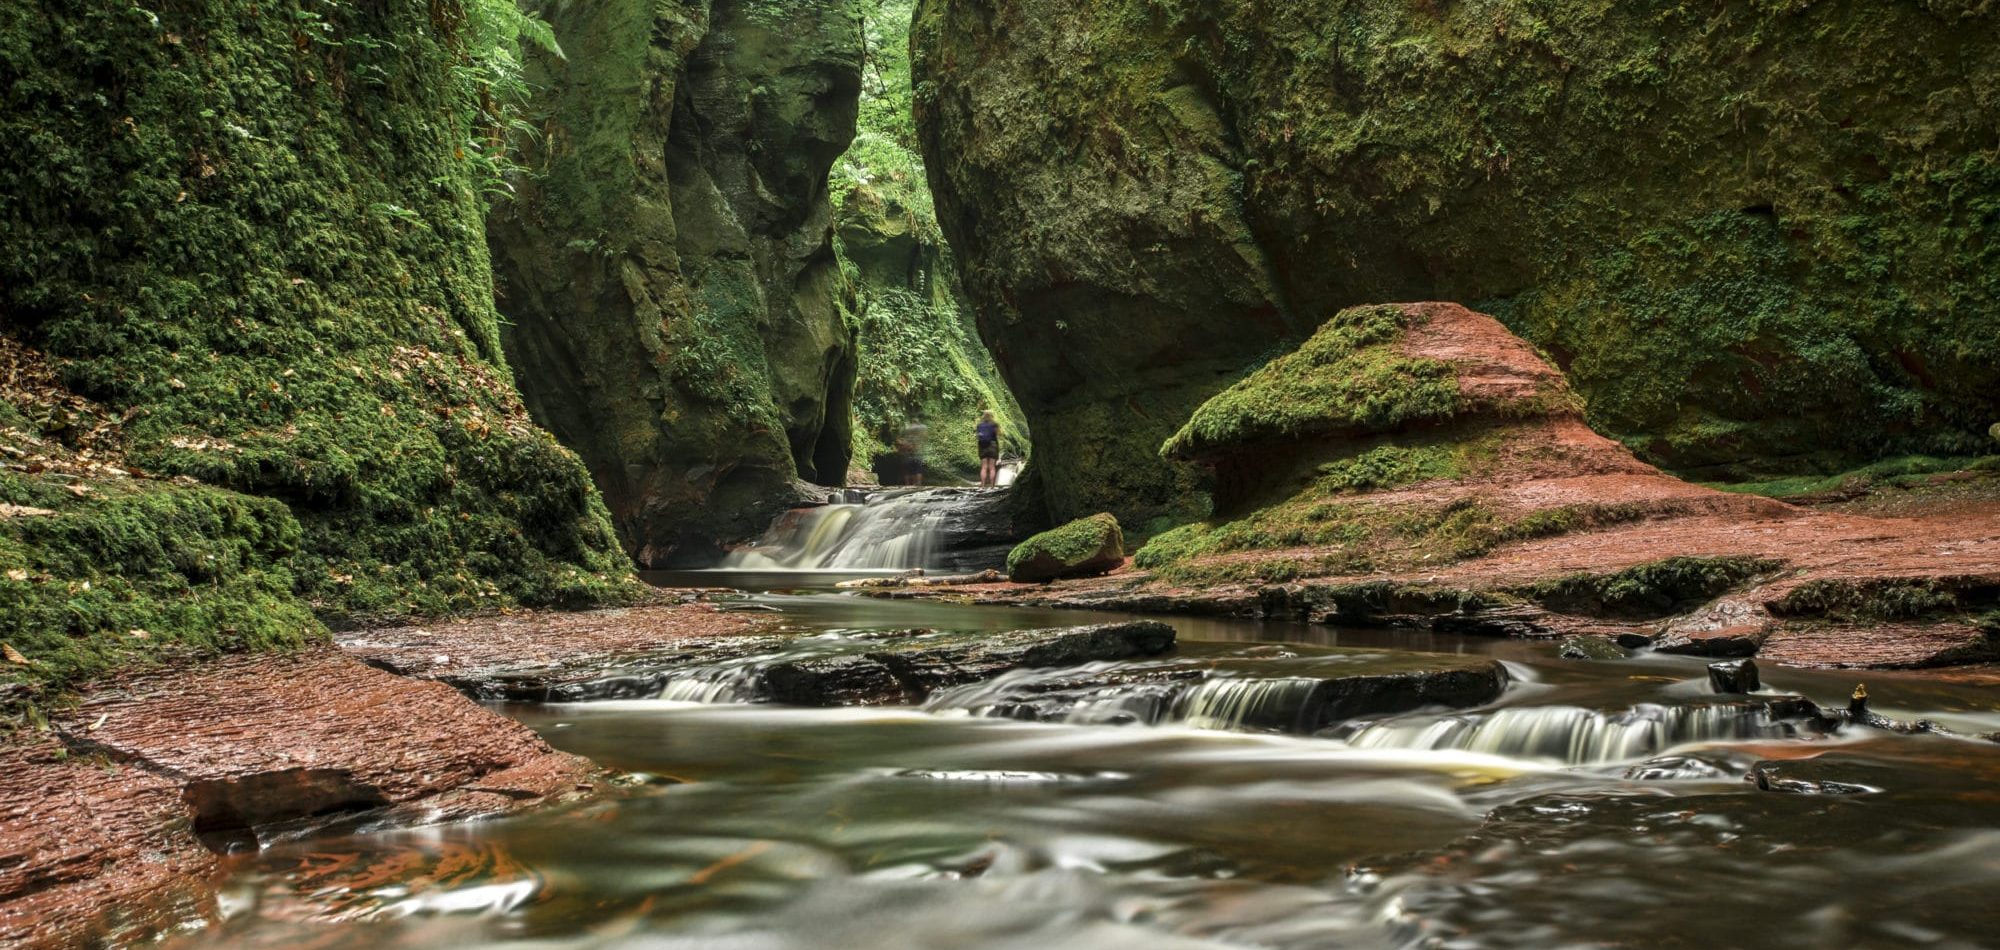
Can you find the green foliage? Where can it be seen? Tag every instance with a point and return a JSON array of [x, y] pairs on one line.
[[253, 235], [1900, 471], [920, 360], [1653, 589], [1888, 599], [1348, 378], [489, 38]]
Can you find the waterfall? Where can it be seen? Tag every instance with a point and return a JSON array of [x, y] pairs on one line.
[[892, 530], [1236, 702], [1573, 735], [715, 684], [1198, 700]]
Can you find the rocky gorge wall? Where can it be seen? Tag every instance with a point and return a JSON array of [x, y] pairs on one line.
[[921, 357], [250, 370], [1757, 237], [675, 309]]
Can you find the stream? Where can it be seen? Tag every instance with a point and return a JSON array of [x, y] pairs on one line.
[[1596, 803]]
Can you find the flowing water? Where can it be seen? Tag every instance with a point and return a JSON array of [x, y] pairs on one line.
[[1184, 802], [883, 531]]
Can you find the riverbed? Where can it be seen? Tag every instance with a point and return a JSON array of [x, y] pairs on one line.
[[1595, 803]]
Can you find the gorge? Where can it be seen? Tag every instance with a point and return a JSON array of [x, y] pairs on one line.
[[453, 461]]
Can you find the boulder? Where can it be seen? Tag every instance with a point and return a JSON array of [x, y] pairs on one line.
[[1739, 676], [1085, 547]]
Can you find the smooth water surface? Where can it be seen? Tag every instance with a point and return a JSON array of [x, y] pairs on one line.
[[1596, 804]]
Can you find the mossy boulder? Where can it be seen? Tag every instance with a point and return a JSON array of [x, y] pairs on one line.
[[676, 312], [1400, 437], [1149, 199], [251, 360], [1083, 548]]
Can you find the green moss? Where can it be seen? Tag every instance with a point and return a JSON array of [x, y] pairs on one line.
[[1742, 281], [919, 355], [251, 234], [1348, 378], [676, 312], [1653, 589], [1901, 471], [1887, 599], [1062, 551], [132, 572]]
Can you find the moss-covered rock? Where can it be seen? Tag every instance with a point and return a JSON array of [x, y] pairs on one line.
[[677, 315], [241, 256], [1759, 238], [1401, 436], [1083, 548]]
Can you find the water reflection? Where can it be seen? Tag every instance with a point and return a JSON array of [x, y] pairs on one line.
[[762, 827]]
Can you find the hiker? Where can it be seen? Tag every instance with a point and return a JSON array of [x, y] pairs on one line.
[[988, 431], [910, 445]]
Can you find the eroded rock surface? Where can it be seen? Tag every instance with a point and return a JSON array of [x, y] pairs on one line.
[[110, 822], [1227, 173], [676, 312]]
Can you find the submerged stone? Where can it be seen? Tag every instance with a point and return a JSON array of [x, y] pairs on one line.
[[1591, 648]]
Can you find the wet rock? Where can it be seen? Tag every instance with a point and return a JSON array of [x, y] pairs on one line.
[[570, 657], [694, 228], [1880, 645], [1829, 775], [1672, 768], [1739, 676], [1591, 648], [1728, 641], [911, 671], [151, 765], [1301, 690], [1083, 548]]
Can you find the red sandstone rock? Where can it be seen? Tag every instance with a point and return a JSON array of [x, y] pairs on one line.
[[100, 841]]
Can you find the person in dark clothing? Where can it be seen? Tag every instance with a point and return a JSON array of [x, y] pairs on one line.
[[988, 432], [910, 445]]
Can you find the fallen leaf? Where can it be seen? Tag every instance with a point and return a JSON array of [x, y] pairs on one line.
[[13, 656], [78, 490], [17, 575], [22, 511], [99, 724], [138, 633]]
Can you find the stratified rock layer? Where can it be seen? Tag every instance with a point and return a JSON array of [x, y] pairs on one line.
[[677, 315], [1757, 238], [108, 832]]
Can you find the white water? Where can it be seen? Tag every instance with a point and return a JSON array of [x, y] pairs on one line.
[[890, 531], [1570, 734]]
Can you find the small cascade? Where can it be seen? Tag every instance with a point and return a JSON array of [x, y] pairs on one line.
[[897, 530], [1573, 735], [715, 684], [1238, 702], [1148, 695]]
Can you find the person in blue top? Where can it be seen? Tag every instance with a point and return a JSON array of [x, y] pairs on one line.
[[989, 450]]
